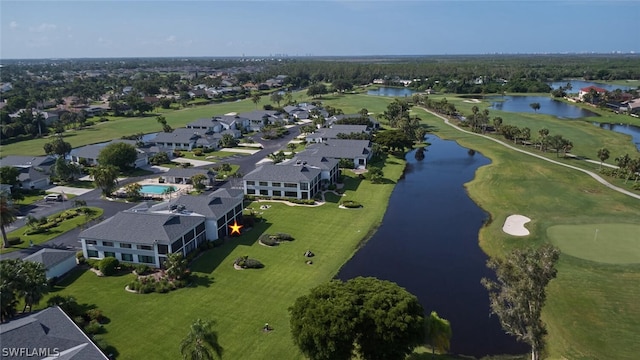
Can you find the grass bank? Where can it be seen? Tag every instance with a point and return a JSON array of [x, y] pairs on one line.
[[242, 301], [587, 296]]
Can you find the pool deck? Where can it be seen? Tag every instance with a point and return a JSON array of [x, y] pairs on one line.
[[181, 189]]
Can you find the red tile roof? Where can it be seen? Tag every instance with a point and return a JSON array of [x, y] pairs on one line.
[[597, 89]]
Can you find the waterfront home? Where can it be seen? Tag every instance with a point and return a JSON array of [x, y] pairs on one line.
[[148, 232], [358, 151], [297, 180]]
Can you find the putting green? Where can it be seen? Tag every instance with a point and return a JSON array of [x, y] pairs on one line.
[[606, 243]]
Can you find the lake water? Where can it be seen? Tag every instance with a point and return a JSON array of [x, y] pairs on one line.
[[391, 91], [428, 244], [633, 131], [576, 85], [548, 106]]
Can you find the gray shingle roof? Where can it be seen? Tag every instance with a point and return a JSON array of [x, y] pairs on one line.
[[142, 227], [212, 206], [49, 328], [50, 257], [339, 149], [27, 161], [332, 132], [180, 135], [204, 122], [259, 114], [284, 173], [92, 151], [320, 162]]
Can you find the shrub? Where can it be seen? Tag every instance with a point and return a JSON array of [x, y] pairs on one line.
[[94, 263], [351, 204], [197, 152], [108, 265], [268, 240], [93, 328], [284, 237], [332, 187], [177, 154], [96, 314], [253, 264], [14, 240], [142, 269]]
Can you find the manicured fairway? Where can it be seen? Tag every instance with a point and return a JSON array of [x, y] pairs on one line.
[[606, 243]]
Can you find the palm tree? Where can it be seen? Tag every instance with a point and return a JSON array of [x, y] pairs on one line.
[[255, 98], [176, 266], [201, 343], [603, 155], [7, 216], [34, 284]]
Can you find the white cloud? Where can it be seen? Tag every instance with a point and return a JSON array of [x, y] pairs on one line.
[[13, 25], [44, 27], [171, 39]]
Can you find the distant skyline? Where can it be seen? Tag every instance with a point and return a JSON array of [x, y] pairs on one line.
[[99, 29]]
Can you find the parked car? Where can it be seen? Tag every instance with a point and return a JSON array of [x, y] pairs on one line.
[[53, 197]]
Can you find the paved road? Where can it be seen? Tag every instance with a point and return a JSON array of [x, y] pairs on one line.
[[93, 198], [597, 177]]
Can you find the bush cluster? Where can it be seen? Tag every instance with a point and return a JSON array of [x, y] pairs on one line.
[[46, 224], [108, 266], [145, 285], [351, 204], [13, 240], [272, 240], [247, 263]]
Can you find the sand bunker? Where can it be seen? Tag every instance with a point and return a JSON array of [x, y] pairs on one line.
[[514, 225]]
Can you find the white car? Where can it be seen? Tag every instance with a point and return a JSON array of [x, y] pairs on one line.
[[53, 197]]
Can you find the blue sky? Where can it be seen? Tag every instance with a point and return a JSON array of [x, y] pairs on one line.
[[71, 29]]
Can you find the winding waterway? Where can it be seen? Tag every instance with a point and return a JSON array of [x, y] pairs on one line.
[[428, 244]]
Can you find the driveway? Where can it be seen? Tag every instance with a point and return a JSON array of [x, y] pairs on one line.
[[195, 163]]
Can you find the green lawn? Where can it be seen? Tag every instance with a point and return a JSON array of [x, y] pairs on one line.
[[65, 226], [241, 301], [606, 243]]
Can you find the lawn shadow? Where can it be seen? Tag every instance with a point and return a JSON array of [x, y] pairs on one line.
[[70, 278], [351, 183], [212, 258], [331, 197]]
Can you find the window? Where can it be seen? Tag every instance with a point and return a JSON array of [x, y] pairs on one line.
[[277, 193], [304, 186], [92, 253], [251, 191], [264, 183], [264, 192], [109, 254], [126, 257], [290, 185], [276, 184], [91, 242], [107, 243], [251, 182], [126, 246], [290, 194], [146, 259], [163, 249], [200, 228], [176, 245], [145, 247]]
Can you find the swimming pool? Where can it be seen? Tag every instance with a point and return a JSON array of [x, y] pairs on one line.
[[156, 189]]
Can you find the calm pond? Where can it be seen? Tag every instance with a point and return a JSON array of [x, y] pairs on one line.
[[548, 106], [391, 91], [428, 244], [576, 85]]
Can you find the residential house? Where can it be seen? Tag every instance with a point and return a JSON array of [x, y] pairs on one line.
[[47, 334], [147, 233], [90, 153], [588, 89], [296, 180], [329, 170], [220, 123], [359, 151], [325, 134], [34, 171], [187, 139], [259, 118], [57, 262]]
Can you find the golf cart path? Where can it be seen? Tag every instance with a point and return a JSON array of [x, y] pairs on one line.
[[597, 177]]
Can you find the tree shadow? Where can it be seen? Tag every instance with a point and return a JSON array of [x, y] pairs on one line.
[[351, 183], [212, 258], [200, 280]]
